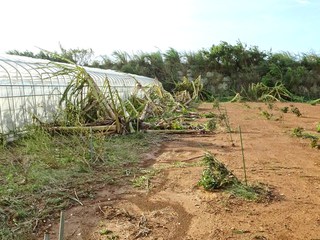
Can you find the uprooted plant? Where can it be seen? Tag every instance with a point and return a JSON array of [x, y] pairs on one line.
[[217, 176]]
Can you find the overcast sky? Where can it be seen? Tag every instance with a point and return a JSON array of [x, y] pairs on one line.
[[150, 25]]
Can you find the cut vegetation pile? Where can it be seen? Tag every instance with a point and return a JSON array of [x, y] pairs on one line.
[[217, 176]]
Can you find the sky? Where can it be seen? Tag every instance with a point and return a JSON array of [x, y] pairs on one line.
[[151, 25]]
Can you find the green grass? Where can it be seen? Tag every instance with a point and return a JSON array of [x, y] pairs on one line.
[[40, 173]]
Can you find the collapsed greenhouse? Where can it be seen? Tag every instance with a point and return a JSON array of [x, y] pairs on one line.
[[31, 88]]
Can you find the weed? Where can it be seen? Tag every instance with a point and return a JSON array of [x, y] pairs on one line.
[[140, 181], [314, 143], [223, 116], [216, 103], [318, 127], [296, 111], [284, 109], [297, 132], [211, 125], [266, 114], [144, 180], [176, 125]]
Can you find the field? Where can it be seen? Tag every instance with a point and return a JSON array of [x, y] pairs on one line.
[[164, 200]]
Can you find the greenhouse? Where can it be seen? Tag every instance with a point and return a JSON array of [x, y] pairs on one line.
[[31, 88]]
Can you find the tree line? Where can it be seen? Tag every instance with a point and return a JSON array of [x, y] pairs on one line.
[[237, 66]]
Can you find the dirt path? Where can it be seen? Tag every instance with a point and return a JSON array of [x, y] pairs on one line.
[[173, 207]]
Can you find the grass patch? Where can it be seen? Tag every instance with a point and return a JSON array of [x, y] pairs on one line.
[[40, 174]]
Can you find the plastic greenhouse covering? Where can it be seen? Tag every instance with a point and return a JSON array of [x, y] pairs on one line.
[[29, 87]]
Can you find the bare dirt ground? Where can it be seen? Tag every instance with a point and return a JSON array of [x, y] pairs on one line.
[[171, 206]]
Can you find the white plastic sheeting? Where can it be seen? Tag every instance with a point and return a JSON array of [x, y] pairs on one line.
[[28, 87]]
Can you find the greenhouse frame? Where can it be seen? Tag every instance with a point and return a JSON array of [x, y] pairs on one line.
[[31, 88]]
